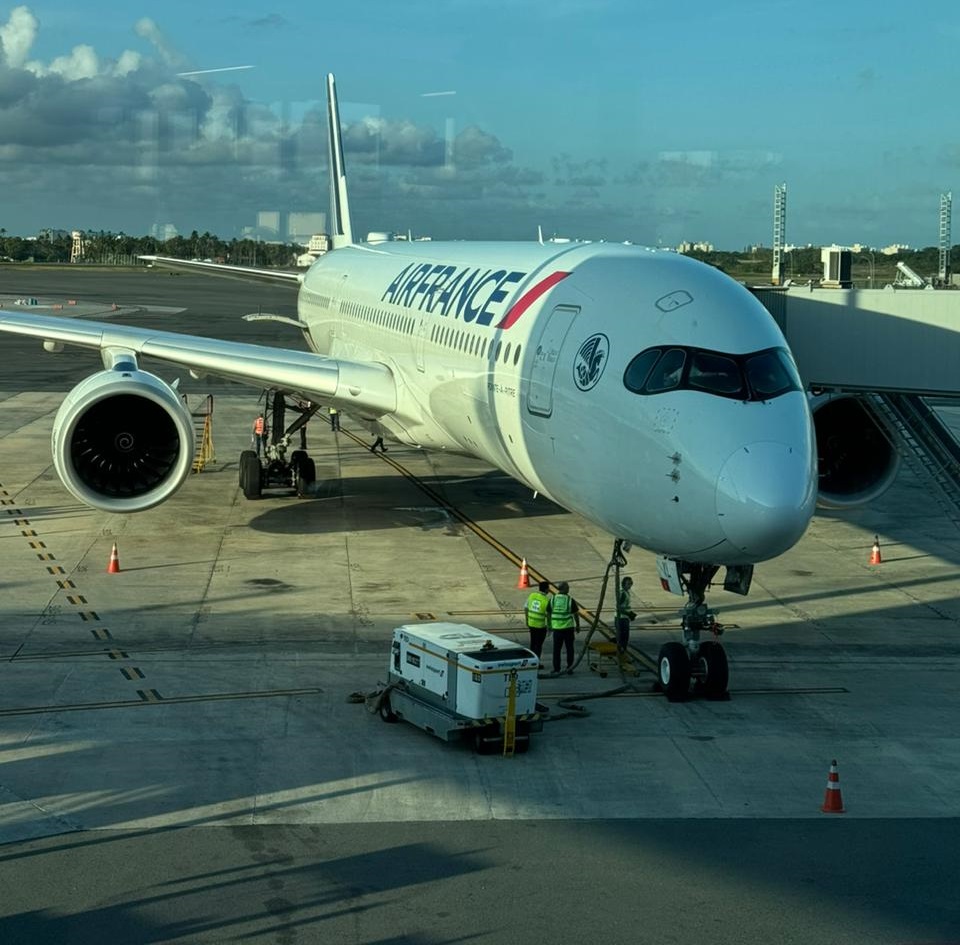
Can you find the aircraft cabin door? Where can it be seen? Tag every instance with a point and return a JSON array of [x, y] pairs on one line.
[[419, 343], [546, 358]]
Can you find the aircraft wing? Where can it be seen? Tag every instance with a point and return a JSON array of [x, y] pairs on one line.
[[280, 276], [366, 388]]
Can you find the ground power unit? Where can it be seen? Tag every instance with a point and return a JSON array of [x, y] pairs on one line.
[[455, 681]]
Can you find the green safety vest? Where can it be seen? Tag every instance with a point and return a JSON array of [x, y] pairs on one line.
[[537, 609], [561, 612]]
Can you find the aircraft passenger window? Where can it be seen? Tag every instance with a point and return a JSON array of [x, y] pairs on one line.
[[771, 373], [483, 353], [667, 371], [496, 357], [516, 355], [506, 353], [716, 373], [637, 370]]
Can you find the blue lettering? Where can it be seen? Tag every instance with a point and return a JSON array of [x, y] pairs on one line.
[[392, 288], [418, 276], [451, 290], [448, 289], [498, 295], [473, 311]]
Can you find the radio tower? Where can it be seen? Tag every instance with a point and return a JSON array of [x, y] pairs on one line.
[[779, 231], [946, 211]]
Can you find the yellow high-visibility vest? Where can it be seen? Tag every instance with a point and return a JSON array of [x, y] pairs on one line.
[[537, 609], [561, 612]]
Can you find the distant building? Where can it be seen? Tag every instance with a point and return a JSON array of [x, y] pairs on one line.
[[318, 245], [894, 248], [702, 247]]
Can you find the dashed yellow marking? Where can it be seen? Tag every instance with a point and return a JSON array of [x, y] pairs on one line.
[[56, 569], [149, 695], [89, 615], [118, 654], [37, 544], [131, 672], [28, 533], [46, 557], [101, 633], [65, 585], [76, 599], [425, 616], [21, 521]]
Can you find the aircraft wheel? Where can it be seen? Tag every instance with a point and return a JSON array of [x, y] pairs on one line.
[[297, 457], [244, 467], [674, 671], [714, 670], [250, 475]]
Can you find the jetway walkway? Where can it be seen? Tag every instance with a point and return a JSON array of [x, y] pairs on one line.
[[891, 347], [924, 442]]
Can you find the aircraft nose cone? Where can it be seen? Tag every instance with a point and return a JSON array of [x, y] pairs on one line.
[[766, 495]]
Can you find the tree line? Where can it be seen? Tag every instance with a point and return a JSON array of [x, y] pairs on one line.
[[106, 248]]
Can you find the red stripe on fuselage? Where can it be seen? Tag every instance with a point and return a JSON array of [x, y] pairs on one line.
[[529, 297]]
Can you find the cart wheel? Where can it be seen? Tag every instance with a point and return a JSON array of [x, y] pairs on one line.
[[386, 713]]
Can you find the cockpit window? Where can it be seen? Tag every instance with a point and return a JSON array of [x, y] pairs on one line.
[[637, 370], [771, 373], [666, 372], [759, 375], [716, 373]]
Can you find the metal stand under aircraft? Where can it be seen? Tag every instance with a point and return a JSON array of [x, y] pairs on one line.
[[274, 469]]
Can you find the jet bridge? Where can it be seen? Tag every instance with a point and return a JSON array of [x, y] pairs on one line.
[[889, 348]]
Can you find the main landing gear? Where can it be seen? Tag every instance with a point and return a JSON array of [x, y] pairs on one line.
[[702, 662], [299, 472]]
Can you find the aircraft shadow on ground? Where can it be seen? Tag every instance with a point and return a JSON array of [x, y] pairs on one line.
[[373, 503]]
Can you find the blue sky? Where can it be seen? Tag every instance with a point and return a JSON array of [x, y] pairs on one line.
[[597, 119]]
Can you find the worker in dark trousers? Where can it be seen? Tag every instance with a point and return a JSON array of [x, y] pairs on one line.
[[536, 611], [378, 445], [625, 613], [259, 433], [334, 419], [564, 620]]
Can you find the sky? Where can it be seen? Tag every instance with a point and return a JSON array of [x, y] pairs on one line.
[[654, 122]]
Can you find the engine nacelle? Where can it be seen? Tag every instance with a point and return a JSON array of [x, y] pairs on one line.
[[857, 459], [123, 440]]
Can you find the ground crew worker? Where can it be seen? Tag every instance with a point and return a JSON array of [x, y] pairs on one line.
[[564, 617], [259, 432], [625, 613], [536, 609], [334, 419]]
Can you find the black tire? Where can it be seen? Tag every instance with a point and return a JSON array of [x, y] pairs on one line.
[[243, 466], [385, 710], [522, 745], [483, 744], [306, 475], [714, 670], [296, 457], [250, 475], [673, 671]]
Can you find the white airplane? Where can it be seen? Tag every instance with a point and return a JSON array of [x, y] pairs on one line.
[[641, 389]]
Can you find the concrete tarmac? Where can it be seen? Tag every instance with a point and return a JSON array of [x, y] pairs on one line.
[[180, 761]]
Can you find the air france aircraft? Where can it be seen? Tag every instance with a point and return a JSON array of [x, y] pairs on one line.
[[643, 390]]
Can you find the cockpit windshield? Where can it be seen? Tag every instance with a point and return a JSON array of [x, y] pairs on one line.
[[760, 375]]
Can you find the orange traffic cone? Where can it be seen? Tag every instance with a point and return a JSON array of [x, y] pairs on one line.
[[114, 566], [832, 798], [875, 551], [524, 577]]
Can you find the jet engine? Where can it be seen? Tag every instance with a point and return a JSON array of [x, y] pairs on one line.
[[857, 458], [123, 440]]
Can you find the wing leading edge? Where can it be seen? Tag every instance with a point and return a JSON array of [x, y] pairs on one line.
[[370, 388]]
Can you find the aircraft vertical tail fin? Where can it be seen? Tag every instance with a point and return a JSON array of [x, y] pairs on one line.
[[341, 232]]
